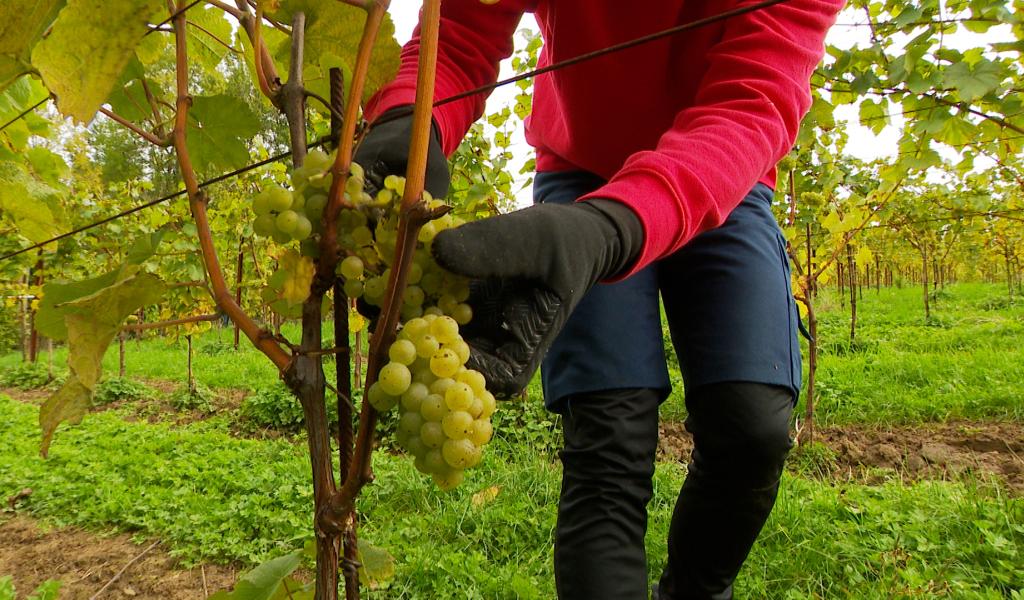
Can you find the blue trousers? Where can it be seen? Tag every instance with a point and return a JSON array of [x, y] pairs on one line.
[[733, 323], [727, 299]]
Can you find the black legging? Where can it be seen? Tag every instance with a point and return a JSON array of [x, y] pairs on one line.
[[741, 437]]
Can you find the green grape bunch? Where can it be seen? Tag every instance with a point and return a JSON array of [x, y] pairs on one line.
[[445, 408]]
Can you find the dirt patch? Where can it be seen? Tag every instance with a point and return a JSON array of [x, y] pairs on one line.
[[85, 562], [35, 396], [928, 451]]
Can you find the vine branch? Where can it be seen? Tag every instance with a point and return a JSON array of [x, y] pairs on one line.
[[146, 135], [414, 213], [197, 203]]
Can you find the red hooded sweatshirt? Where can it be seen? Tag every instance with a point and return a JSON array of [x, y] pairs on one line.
[[682, 128]]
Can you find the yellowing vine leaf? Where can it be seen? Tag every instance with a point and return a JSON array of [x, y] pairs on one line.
[[22, 22], [377, 566], [89, 46], [92, 322], [333, 30]]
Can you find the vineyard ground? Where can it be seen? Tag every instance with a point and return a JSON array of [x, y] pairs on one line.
[[913, 491]]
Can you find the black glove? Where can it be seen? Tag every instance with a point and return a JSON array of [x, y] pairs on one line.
[[530, 270], [385, 151]]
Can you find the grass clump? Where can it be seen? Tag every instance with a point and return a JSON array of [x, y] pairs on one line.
[[25, 376], [117, 389]]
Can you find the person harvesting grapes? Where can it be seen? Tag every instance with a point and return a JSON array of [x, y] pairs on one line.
[[655, 169]]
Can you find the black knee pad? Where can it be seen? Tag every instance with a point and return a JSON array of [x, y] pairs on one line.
[[741, 432]]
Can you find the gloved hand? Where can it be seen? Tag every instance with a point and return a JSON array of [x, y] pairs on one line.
[[530, 268], [385, 151]]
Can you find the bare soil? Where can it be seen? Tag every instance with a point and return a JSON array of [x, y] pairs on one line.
[[928, 451], [84, 562]]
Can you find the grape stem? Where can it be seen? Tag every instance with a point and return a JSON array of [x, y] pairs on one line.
[[413, 215], [328, 261]]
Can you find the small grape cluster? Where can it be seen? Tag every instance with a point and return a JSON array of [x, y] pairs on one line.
[[285, 215], [445, 408]]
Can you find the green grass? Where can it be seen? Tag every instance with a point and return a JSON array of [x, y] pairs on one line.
[[213, 497], [963, 363]]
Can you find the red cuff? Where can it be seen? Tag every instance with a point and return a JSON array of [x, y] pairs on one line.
[[664, 222]]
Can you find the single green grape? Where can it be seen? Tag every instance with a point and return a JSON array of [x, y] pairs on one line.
[[474, 379], [362, 236], [414, 445], [460, 453], [353, 288], [432, 434], [317, 160], [413, 329], [462, 313], [457, 425], [261, 203], [481, 432], [351, 268], [402, 351], [445, 363], [435, 461], [427, 346], [445, 329], [264, 225], [490, 405], [448, 481], [458, 396], [356, 170], [287, 221], [302, 228], [415, 274], [461, 349], [414, 396], [315, 205], [279, 199], [409, 424], [441, 385], [427, 233], [433, 408], [395, 378], [476, 407], [413, 296], [379, 399]]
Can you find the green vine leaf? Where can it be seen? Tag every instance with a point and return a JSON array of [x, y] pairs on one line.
[[32, 205], [218, 128], [974, 81], [82, 58], [264, 582]]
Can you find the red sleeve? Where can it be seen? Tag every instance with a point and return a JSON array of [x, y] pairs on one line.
[[745, 118], [474, 38]]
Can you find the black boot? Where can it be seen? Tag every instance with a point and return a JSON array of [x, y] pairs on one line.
[[741, 438], [608, 461]]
